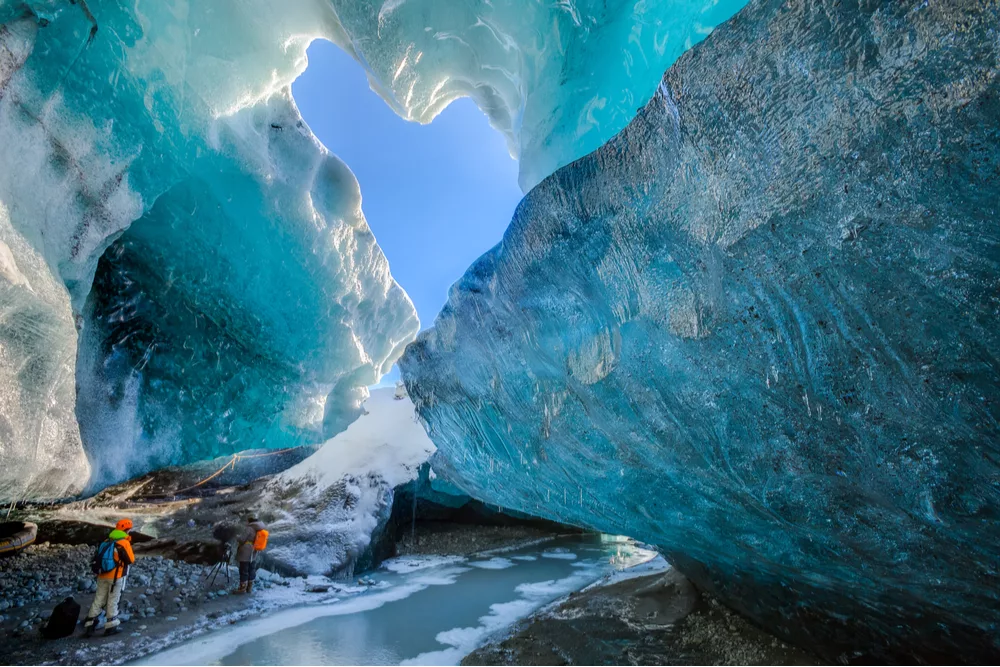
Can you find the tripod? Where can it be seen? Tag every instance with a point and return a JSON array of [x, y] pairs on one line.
[[220, 565]]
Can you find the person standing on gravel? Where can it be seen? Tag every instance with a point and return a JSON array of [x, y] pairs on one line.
[[111, 562], [248, 543]]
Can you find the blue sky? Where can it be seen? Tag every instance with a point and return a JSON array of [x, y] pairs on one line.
[[436, 196]]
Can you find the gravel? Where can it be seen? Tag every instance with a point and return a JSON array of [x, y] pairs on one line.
[[35, 580]]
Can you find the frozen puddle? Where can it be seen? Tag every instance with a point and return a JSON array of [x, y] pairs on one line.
[[424, 610]]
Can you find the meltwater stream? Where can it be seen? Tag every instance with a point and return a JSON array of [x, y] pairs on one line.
[[423, 610]]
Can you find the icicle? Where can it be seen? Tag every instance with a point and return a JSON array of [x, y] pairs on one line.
[[413, 516]]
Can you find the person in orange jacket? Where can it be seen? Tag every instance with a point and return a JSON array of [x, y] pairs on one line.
[[111, 562]]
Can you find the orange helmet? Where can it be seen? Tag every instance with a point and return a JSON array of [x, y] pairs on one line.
[[124, 524]]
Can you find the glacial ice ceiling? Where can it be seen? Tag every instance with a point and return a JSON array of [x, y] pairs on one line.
[[185, 270], [759, 328]]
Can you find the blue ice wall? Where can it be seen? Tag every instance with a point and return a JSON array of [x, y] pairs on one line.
[[225, 319], [760, 328], [220, 288]]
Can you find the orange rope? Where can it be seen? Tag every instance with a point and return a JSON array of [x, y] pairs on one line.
[[230, 463], [255, 456], [218, 472]]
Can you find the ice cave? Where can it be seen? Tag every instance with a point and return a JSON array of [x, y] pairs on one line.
[[739, 336]]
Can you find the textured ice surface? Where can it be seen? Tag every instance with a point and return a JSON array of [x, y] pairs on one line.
[[331, 504], [759, 328], [242, 301], [39, 439], [225, 334], [557, 78]]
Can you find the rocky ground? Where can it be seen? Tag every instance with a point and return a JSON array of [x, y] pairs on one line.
[[164, 601], [651, 620]]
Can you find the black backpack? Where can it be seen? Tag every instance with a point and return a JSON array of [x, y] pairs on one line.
[[63, 620]]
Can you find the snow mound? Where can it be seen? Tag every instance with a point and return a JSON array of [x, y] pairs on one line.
[[329, 506]]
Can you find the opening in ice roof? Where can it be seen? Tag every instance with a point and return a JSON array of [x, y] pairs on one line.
[[436, 196]]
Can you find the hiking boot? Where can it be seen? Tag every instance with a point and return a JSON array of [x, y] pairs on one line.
[[242, 588], [112, 631], [249, 587], [88, 630]]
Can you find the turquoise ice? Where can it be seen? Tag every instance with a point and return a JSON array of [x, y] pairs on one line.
[[247, 303], [759, 328], [558, 79]]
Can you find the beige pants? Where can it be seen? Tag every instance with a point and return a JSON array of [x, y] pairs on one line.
[[109, 592]]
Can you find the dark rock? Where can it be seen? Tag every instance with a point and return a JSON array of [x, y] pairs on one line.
[[60, 531]]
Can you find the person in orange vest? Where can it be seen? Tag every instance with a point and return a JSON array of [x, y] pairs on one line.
[[111, 562], [250, 541]]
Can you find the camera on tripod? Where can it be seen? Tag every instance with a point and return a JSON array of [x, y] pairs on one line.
[[223, 554]]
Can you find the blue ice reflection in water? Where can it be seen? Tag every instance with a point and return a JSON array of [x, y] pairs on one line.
[[425, 610]]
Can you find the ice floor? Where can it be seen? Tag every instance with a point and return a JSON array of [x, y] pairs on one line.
[[422, 610]]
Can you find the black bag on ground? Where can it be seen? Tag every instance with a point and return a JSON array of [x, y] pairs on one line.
[[63, 620]]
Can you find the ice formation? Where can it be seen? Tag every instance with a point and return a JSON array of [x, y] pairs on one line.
[[224, 334], [759, 329], [211, 256], [558, 79], [39, 439], [333, 503], [242, 300]]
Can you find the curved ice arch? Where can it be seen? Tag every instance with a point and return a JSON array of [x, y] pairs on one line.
[[238, 335], [759, 328], [175, 118]]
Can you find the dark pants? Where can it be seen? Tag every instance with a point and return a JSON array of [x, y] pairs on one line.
[[248, 571]]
